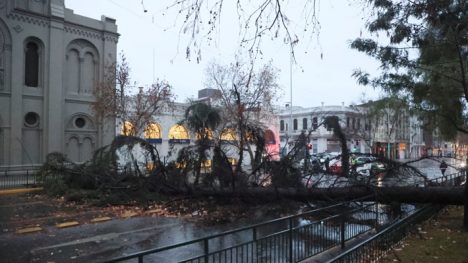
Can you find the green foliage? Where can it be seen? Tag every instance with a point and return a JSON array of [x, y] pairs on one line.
[[426, 57], [284, 174], [201, 116], [55, 186], [222, 169]]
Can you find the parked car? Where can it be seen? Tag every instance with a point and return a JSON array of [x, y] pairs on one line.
[[368, 169], [335, 167], [364, 159]]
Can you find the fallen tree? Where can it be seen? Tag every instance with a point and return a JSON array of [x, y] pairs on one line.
[[444, 195]]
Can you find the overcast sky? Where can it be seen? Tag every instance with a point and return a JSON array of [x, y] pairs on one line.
[[322, 72]]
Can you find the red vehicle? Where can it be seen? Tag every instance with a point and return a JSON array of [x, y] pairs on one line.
[[336, 168]]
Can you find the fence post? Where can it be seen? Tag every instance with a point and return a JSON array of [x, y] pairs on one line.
[[342, 230], [376, 215], [465, 208], [290, 240], [205, 248], [254, 239]]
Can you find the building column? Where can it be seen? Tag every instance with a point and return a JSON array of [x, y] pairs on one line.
[[54, 103], [16, 103]]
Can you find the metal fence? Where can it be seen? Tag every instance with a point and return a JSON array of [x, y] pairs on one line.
[[287, 239], [378, 246], [454, 179], [15, 177]]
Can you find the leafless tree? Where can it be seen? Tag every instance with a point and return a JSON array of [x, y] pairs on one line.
[[246, 98], [115, 99], [257, 20]]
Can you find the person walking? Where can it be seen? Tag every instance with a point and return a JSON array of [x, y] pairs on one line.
[[443, 166], [327, 165]]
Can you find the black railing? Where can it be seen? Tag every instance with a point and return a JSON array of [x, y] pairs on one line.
[[378, 245], [16, 177], [454, 179], [288, 239]]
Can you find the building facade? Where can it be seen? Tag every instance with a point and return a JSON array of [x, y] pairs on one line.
[[50, 63], [168, 134], [296, 120]]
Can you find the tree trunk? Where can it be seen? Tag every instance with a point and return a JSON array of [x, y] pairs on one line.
[[434, 195]]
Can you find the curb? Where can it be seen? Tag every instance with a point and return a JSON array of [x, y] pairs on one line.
[[67, 224], [100, 219], [28, 230], [19, 191]]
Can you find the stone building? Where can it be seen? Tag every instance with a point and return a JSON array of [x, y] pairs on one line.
[[50, 62]]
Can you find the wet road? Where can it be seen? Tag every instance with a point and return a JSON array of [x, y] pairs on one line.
[[96, 242]]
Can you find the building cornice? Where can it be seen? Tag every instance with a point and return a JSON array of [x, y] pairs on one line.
[[69, 27], [29, 18]]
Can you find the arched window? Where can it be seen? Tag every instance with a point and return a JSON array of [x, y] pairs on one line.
[[295, 124], [128, 129], [152, 131], [269, 137], [31, 64], [304, 123], [178, 134], [281, 125], [228, 134], [314, 123], [207, 133], [82, 67]]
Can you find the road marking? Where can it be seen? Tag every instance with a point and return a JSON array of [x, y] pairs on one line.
[[67, 224], [100, 219], [28, 230], [103, 237]]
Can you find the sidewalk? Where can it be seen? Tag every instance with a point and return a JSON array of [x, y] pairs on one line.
[[441, 239]]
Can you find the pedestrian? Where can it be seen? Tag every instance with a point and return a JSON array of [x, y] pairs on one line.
[[327, 165], [443, 166]]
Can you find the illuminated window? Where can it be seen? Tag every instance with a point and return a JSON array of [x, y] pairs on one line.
[[150, 166], [249, 136], [206, 164], [208, 133], [153, 131], [232, 161], [228, 134], [178, 132], [180, 165], [128, 129]]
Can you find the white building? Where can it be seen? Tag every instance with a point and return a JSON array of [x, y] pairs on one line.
[[169, 135], [50, 62], [295, 120]]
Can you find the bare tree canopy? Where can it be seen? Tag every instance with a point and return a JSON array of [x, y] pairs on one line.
[[246, 97], [257, 20], [116, 99]]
